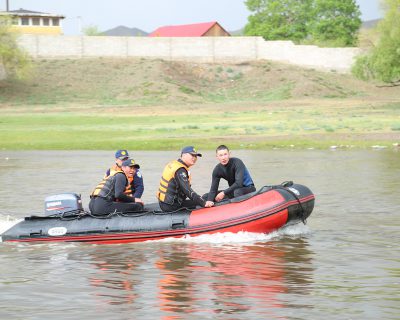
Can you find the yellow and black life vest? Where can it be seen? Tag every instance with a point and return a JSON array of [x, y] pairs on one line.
[[168, 191], [106, 187], [128, 189]]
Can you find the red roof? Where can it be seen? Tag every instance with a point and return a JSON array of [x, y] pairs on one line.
[[184, 30]]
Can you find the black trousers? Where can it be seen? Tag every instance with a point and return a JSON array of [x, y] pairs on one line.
[[100, 206], [242, 191], [236, 193], [175, 206]]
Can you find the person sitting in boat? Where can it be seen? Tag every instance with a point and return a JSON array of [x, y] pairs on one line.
[[175, 189], [136, 185], [109, 195], [232, 170]]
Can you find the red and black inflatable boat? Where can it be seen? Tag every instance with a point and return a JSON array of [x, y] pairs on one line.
[[263, 211]]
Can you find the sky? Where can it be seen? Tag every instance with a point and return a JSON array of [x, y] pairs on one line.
[[148, 15]]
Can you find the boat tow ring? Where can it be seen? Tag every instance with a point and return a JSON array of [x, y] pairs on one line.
[[287, 184]]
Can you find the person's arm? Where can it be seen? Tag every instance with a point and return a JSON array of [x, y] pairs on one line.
[[214, 185], [238, 170], [120, 185], [181, 176], [138, 185]]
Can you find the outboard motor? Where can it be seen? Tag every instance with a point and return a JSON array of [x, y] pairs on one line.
[[62, 203]]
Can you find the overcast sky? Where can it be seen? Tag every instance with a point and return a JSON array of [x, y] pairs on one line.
[[148, 15]]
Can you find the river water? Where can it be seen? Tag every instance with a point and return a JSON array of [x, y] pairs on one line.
[[344, 264]]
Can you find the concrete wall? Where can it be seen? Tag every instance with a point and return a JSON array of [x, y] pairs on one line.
[[205, 49]]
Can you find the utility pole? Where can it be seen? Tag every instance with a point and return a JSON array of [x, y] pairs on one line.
[[79, 25], [7, 8]]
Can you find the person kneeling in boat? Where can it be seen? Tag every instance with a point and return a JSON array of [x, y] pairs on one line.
[[232, 170], [175, 184], [136, 185], [109, 195]]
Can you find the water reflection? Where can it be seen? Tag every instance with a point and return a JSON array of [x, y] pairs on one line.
[[190, 278], [346, 268], [116, 275]]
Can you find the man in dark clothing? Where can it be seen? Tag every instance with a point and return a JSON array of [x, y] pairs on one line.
[[175, 184], [232, 170], [136, 187], [109, 195]]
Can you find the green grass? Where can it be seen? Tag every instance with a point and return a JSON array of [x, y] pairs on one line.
[[262, 128]]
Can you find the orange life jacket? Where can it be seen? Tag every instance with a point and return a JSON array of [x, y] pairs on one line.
[[104, 187], [167, 190], [128, 189]]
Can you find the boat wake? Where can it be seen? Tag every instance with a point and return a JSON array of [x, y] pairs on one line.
[[295, 231], [6, 222]]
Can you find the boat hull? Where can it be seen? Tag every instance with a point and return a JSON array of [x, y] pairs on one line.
[[267, 210]]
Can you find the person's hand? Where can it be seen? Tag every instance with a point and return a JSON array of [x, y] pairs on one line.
[[220, 196], [209, 204], [138, 200]]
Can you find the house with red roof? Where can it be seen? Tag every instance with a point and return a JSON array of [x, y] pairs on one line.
[[207, 29]]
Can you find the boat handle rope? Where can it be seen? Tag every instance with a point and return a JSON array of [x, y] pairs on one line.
[[285, 186], [77, 214]]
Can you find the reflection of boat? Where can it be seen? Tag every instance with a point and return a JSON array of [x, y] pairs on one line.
[[203, 278], [233, 279], [263, 211]]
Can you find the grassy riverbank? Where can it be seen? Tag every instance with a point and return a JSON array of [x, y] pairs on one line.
[[156, 105]]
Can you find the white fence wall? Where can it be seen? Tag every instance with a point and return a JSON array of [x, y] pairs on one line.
[[204, 49]]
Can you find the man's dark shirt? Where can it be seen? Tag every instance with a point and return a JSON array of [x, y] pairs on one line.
[[137, 185], [120, 185], [184, 188], [235, 172]]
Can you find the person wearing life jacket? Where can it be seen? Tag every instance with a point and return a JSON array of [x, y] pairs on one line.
[[234, 171], [136, 185], [109, 195], [175, 190]]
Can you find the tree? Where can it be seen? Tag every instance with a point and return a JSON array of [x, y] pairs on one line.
[[278, 19], [332, 22], [335, 22], [91, 30], [14, 60], [383, 61]]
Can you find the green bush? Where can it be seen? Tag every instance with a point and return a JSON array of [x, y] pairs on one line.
[[14, 60], [383, 61]]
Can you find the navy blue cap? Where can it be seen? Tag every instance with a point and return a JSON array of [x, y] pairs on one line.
[[122, 154], [191, 150], [129, 163]]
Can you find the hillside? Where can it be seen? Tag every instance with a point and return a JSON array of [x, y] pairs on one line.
[[140, 82], [158, 105], [123, 31]]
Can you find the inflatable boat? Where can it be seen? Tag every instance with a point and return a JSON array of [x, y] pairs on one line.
[[263, 211]]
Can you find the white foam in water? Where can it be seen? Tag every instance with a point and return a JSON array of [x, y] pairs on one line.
[[242, 237], [6, 222]]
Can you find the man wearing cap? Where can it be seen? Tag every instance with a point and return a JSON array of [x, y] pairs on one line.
[[175, 184], [136, 185], [109, 195]]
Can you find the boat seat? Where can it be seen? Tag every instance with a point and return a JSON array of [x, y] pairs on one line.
[[152, 207]]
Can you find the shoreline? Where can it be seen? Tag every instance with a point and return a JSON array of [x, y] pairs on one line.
[[318, 124]]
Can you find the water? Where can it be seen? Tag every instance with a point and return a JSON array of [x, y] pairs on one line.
[[344, 264]]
